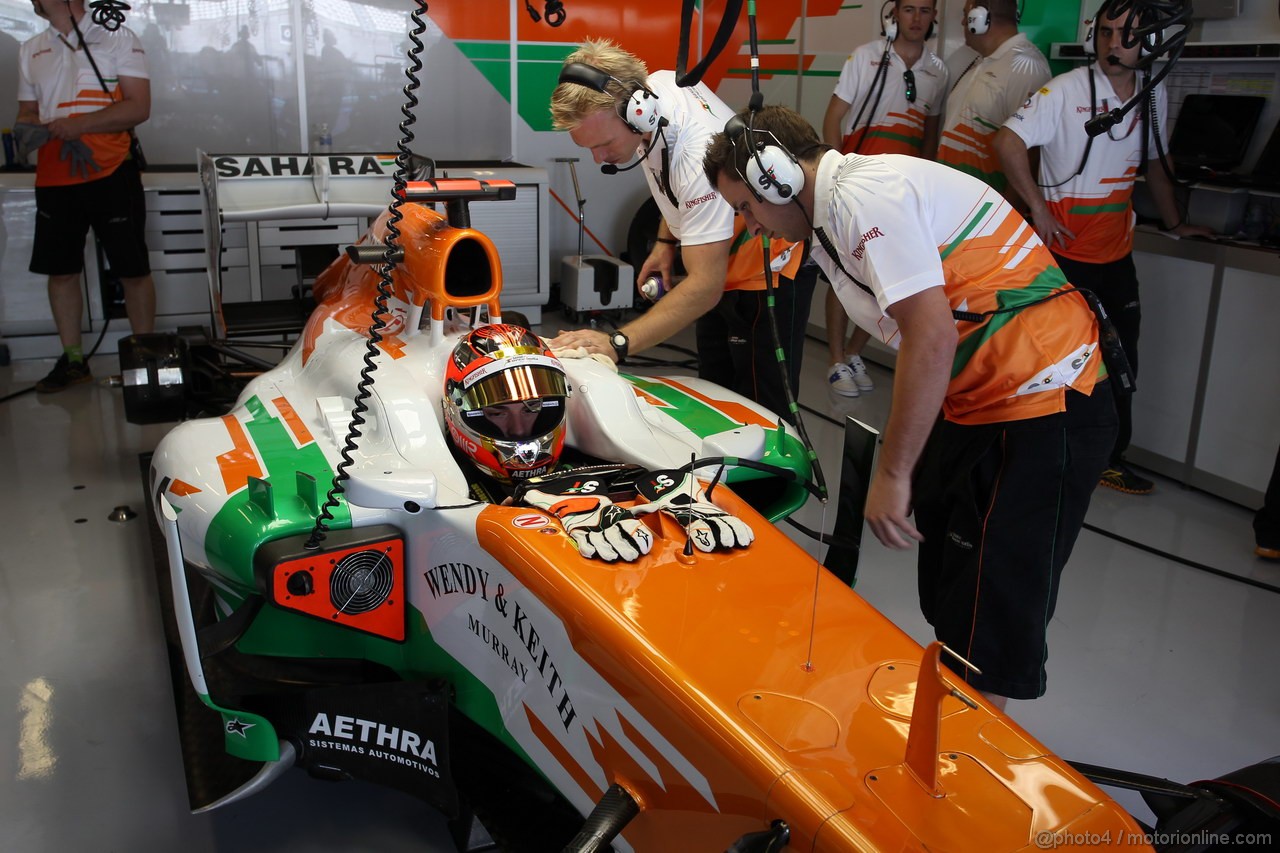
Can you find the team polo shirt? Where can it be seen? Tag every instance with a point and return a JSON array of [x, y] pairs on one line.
[[694, 115], [60, 79], [901, 225], [896, 125], [982, 99], [1096, 204], [746, 260]]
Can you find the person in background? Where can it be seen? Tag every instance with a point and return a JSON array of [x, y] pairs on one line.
[[888, 100], [1007, 70], [725, 287], [1081, 205], [84, 175], [1001, 419]]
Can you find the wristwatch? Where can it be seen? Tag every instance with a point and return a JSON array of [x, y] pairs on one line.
[[620, 343]]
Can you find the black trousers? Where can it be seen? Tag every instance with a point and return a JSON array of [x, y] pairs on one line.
[[1116, 286], [735, 341], [1000, 506]]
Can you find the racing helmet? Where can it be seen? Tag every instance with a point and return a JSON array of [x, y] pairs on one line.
[[504, 402]]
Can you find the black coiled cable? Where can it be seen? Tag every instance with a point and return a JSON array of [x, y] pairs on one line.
[[109, 14], [1161, 27], [391, 242]]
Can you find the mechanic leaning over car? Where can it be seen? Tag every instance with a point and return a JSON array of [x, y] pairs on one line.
[[1000, 423], [505, 404], [82, 90], [613, 107]]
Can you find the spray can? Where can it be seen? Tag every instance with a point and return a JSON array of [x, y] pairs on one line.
[[653, 288], [10, 148]]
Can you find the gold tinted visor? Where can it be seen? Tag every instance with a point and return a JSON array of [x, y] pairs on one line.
[[513, 385]]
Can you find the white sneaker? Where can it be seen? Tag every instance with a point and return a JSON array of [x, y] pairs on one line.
[[860, 375], [842, 380]]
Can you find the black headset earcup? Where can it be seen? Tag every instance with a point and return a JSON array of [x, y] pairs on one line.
[[639, 111], [582, 74], [735, 129], [775, 175]]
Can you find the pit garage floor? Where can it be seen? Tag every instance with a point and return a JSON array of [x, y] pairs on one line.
[[1155, 666]]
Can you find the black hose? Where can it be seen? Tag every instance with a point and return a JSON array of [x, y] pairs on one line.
[[611, 815], [404, 163]]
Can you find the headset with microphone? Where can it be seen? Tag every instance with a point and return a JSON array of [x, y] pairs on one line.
[[889, 22], [1160, 27], [773, 173], [1148, 38], [638, 111]]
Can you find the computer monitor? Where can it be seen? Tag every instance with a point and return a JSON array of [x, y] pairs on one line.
[[1213, 131]]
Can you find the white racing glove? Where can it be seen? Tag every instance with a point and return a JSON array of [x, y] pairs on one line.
[[598, 526], [682, 496]]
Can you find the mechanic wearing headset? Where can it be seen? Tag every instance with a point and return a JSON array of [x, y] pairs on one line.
[[888, 100], [85, 176], [991, 88], [1081, 207], [669, 127], [1001, 422], [505, 408]]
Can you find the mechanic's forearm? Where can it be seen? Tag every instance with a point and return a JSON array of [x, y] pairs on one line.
[[28, 113], [1162, 194], [120, 116], [831, 121], [1015, 162], [695, 296], [919, 387]]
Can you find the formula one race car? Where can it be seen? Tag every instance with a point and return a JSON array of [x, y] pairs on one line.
[[718, 690]]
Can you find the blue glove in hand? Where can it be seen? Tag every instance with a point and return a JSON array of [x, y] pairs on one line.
[[682, 496], [82, 164], [598, 526], [28, 137]]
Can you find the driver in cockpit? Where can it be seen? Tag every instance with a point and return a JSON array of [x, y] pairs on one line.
[[505, 406]]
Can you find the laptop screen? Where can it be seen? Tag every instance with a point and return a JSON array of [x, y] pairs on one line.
[[1214, 131]]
